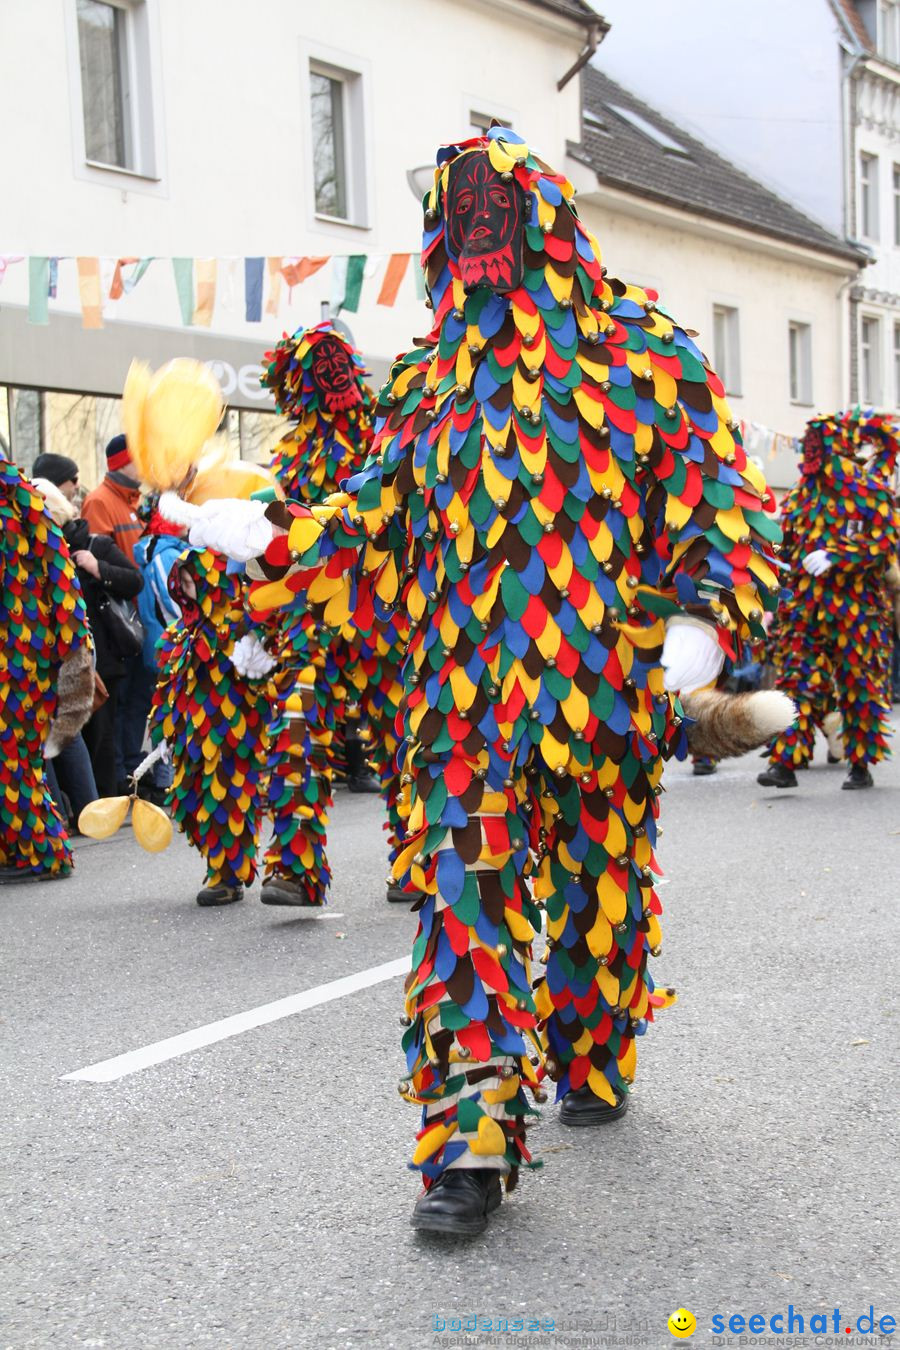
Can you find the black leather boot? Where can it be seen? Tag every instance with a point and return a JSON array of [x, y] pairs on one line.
[[398, 896], [858, 777], [459, 1202], [777, 775], [220, 893], [286, 890], [581, 1107]]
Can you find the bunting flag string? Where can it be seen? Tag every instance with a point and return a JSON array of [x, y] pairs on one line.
[[196, 279]]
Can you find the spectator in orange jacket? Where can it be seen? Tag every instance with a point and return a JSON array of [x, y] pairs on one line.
[[112, 507]]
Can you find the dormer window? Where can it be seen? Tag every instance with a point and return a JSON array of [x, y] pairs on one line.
[[650, 130]]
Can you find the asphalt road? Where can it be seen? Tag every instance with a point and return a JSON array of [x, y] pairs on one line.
[[253, 1194]]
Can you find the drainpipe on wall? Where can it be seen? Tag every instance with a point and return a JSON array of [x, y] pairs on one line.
[[850, 101], [596, 33]]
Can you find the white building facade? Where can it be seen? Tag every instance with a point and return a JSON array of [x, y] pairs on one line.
[[223, 151], [213, 132]]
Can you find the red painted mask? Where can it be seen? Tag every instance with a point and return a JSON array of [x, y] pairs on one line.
[[333, 374], [813, 451], [484, 224]]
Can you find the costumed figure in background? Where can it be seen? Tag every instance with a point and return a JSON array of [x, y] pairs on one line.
[[558, 498], [831, 643], [212, 706], [329, 674], [44, 624]]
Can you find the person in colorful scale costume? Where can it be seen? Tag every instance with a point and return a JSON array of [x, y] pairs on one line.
[[213, 705], [44, 622], [831, 642], [555, 481], [317, 378]]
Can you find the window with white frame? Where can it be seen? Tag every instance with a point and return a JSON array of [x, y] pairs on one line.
[[482, 121], [897, 205], [800, 362], [889, 30], [338, 142], [727, 347], [870, 359], [868, 195], [115, 76]]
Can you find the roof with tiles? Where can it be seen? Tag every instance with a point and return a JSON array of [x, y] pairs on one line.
[[848, 11], [631, 146]]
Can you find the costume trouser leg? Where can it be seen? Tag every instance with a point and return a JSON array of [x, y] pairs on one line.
[[300, 794], [810, 683], [863, 677], [380, 706], [469, 1000], [220, 813], [32, 832], [595, 877]]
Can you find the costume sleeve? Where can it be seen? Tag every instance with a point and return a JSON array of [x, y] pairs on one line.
[[311, 559], [874, 546], [713, 514]]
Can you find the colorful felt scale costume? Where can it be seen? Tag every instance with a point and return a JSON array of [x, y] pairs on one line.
[[832, 641], [554, 472], [43, 621], [215, 721], [328, 673]]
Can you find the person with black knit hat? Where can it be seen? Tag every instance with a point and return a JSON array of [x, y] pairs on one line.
[[59, 470]]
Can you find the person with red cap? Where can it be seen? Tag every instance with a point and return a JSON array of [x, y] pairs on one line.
[[112, 507]]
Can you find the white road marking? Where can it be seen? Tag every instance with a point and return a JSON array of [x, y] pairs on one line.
[[108, 1070]]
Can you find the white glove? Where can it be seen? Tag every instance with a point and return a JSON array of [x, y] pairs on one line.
[[250, 657], [691, 656], [817, 563], [236, 528]]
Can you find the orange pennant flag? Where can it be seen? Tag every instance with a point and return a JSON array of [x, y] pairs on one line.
[[298, 271], [393, 276], [117, 289], [274, 266], [206, 292], [89, 292]]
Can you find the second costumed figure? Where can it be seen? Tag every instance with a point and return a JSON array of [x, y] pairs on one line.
[[329, 673]]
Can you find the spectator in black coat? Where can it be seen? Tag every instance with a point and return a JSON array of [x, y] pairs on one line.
[[103, 569]]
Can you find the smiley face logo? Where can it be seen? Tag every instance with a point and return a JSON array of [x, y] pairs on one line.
[[682, 1323]]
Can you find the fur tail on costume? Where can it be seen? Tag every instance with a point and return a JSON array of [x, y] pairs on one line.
[[723, 725], [833, 726]]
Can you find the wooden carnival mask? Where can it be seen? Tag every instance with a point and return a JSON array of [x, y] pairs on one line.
[[485, 224], [333, 374]]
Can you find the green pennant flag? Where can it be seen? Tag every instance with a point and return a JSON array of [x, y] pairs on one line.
[[356, 266], [183, 269], [38, 290]]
